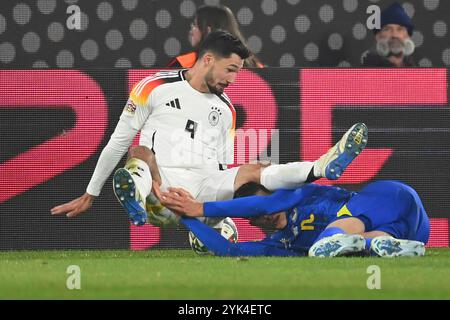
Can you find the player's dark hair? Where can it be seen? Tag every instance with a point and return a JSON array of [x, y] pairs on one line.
[[223, 44], [249, 189]]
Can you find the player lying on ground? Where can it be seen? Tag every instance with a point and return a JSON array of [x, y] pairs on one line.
[[385, 217], [188, 122]]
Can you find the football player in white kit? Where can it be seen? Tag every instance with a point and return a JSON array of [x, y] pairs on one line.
[[187, 124]]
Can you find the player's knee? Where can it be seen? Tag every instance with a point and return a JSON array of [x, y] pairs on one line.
[[350, 225], [248, 173], [140, 152], [264, 164]]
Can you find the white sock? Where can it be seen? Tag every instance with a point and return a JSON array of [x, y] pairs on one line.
[[141, 175], [317, 172], [285, 176]]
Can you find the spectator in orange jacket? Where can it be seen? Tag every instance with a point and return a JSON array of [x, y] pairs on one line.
[[207, 19]]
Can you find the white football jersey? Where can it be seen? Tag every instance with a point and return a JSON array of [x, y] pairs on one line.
[[184, 127]]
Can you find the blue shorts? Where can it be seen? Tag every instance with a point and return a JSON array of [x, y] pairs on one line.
[[391, 207]]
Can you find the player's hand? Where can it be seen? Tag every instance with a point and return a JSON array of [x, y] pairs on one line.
[[75, 207], [180, 192], [156, 183], [180, 201]]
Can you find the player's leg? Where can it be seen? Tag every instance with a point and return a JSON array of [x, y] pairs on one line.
[[340, 237], [382, 244], [338, 244], [292, 175], [190, 180], [415, 215], [391, 207], [216, 186], [396, 223], [370, 207], [388, 246], [349, 225], [374, 206], [394, 240], [374, 234], [132, 184], [158, 215], [388, 211]]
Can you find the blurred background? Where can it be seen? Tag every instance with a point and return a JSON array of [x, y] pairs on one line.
[[149, 33]]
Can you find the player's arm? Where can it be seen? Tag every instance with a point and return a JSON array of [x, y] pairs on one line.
[[131, 121], [221, 247], [181, 201], [253, 206], [109, 158], [226, 143]]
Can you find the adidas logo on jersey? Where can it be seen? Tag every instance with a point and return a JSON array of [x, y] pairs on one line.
[[174, 104]]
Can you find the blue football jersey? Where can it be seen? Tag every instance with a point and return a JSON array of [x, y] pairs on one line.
[[313, 212]]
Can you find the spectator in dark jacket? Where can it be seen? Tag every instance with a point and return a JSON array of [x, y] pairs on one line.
[[394, 47]]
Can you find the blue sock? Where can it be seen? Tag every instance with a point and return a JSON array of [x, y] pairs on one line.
[[368, 243], [328, 232]]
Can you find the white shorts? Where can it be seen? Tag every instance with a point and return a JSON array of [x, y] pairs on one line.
[[204, 185]]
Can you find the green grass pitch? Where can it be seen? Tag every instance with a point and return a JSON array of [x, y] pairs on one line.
[[181, 274]]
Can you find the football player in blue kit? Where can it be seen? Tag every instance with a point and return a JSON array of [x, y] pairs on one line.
[[385, 218]]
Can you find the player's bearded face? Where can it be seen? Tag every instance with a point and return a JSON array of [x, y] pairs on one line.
[[222, 73], [213, 85]]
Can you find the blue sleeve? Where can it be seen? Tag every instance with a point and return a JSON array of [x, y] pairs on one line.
[[254, 206], [222, 247]]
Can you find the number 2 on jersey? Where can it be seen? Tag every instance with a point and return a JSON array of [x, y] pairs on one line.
[[191, 126], [304, 226]]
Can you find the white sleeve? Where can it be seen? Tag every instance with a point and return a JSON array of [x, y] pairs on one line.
[[226, 147], [113, 152], [133, 118]]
